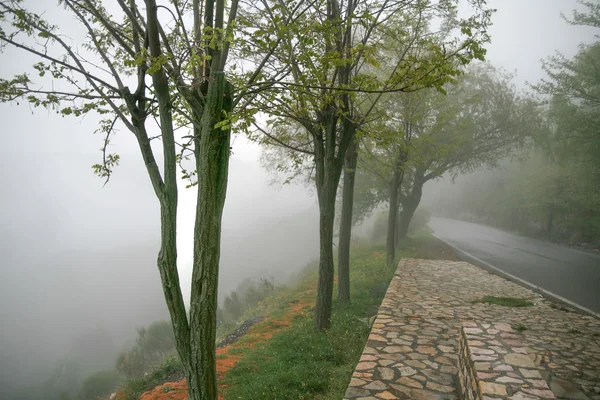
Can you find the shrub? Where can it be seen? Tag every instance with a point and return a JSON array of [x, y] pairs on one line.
[[246, 295], [152, 344], [156, 340], [232, 306], [99, 385], [131, 363]]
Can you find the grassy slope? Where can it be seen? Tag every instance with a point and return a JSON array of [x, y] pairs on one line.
[[282, 357], [298, 363]]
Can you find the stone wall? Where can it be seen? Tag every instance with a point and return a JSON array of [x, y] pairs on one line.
[[493, 364], [467, 376]]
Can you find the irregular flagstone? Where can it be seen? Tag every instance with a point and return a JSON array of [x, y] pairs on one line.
[[417, 328]]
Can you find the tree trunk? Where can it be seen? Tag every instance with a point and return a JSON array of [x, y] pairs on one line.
[[408, 210], [326, 268], [409, 206], [166, 192], [350, 161], [212, 163], [328, 169], [167, 266], [394, 187]]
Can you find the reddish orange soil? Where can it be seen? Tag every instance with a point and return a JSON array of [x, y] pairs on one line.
[[168, 391], [260, 332]]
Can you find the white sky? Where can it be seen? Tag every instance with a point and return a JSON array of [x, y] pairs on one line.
[[526, 31]]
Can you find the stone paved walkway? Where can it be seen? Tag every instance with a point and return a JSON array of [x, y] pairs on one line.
[[412, 350]]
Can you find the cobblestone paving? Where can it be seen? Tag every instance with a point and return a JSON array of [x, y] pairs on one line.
[[412, 350]]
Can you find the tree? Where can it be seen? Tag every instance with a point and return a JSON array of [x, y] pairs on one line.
[[572, 94], [479, 121], [149, 66], [552, 190], [572, 91], [319, 109], [388, 153]]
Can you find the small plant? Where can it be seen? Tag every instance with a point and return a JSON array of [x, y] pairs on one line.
[[520, 328], [574, 331], [505, 301]]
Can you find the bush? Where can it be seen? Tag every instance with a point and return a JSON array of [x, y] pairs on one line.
[[152, 345], [99, 385], [247, 294], [156, 340], [233, 306], [131, 363]]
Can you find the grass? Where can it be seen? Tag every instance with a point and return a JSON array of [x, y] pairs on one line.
[[298, 363], [520, 328], [574, 331], [505, 301]]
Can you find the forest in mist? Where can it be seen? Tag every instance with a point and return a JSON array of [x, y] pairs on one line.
[[240, 144]]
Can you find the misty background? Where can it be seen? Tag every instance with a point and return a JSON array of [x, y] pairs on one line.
[[78, 272]]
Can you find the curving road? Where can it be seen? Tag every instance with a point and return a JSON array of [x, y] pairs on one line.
[[566, 272]]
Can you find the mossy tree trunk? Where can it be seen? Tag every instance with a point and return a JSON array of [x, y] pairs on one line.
[[212, 162], [350, 162], [409, 206], [394, 188], [328, 168]]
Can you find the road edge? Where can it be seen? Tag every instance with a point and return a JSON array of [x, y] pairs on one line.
[[466, 256]]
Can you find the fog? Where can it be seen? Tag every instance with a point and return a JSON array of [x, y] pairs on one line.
[[78, 256]]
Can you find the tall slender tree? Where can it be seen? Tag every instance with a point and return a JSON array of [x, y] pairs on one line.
[[154, 66], [335, 53]]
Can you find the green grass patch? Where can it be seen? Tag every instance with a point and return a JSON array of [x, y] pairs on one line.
[[235, 351], [520, 328], [297, 362], [574, 331], [505, 301]]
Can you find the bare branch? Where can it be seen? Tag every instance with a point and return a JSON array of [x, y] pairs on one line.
[[281, 143]]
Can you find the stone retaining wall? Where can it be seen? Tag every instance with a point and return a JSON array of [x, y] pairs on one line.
[[493, 364], [467, 376]]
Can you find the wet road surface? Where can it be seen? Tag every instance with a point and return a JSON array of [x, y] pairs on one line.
[[567, 272]]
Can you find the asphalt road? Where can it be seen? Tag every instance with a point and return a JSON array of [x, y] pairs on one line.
[[570, 273]]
